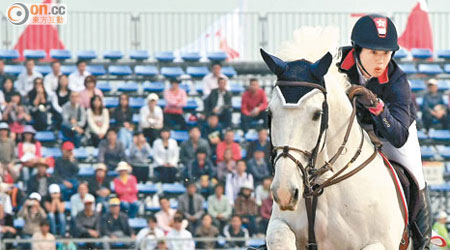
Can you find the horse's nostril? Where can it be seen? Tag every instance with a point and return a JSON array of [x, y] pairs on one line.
[[295, 194]]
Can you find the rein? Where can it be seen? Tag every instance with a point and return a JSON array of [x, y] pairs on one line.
[[313, 189]]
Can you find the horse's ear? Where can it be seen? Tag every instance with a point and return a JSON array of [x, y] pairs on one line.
[[276, 65], [320, 68]]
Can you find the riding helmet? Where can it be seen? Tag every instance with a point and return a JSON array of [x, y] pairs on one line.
[[375, 32]]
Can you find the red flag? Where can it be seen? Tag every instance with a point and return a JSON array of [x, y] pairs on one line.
[[418, 32], [39, 37]]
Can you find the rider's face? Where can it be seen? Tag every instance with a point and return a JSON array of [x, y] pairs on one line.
[[375, 61]]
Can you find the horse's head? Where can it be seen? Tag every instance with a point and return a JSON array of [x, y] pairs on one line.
[[296, 119]]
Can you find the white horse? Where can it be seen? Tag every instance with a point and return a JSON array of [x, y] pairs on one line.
[[361, 212]]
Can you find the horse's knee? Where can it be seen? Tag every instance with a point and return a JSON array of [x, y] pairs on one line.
[[280, 237]]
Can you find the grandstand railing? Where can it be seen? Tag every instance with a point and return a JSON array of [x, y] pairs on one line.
[[202, 31]]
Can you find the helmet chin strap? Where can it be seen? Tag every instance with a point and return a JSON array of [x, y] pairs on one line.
[[359, 63]]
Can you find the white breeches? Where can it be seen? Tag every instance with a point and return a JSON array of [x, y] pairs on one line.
[[408, 155]]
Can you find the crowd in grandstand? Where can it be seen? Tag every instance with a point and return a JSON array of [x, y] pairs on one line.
[[227, 193]]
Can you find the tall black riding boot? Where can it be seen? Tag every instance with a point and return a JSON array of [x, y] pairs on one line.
[[421, 227]]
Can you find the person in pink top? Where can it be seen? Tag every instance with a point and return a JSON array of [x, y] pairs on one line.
[[126, 189], [176, 99], [90, 83], [228, 143], [254, 105]]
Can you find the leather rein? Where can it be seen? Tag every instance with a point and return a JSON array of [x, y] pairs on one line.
[[312, 188]]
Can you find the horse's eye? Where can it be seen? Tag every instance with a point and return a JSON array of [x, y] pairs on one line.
[[316, 115]]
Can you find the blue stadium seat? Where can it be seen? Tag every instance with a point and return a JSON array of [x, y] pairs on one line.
[[9, 54], [68, 69], [19, 223], [236, 103], [96, 70], [104, 86], [422, 136], [197, 71], [400, 54], [229, 71], [179, 135], [139, 55], [440, 135], [50, 171], [111, 102], [445, 152], [421, 53], [45, 136], [417, 85], [430, 69], [251, 136], [408, 68], [34, 54], [217, 56], [443, 85], [444, 54], [14, 69], [146, 70], [162, 103], [244, 153], [191, 56], [51, 152], [112, 54], [137, 102], [119, 70], [191, 105], [427, 152], [447, 68], [135, 118], [128, 86], [147, 188], [137, 223], [440, 188], [419, 101], [43, 69], [174, 189], [80, 153], [172, 72], [60, 54], [255, 242], [152, 209], [166, 56], [87, 55], [238, 138], [153, 86], [236, 88], [86, 172], [186, 87]]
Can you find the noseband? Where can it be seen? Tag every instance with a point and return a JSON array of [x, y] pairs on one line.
[[310, 174]]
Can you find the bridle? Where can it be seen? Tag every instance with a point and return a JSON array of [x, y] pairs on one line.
[[310, 174]]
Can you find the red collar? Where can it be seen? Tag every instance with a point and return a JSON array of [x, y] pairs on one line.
[[349, 62]]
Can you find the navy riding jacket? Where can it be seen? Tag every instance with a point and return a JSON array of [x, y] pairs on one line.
[[393, 89]]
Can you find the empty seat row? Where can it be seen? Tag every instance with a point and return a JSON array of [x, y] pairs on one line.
[[420, 85], [422, 54], [427, 69]]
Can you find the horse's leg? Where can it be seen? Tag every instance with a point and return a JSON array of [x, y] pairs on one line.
[[280, 236], [376, 246]]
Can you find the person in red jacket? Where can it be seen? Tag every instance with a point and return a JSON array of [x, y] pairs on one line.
[[126, 189], [254, 105], [228, 143]]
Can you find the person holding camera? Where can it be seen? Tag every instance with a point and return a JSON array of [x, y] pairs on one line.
[[33, 214]]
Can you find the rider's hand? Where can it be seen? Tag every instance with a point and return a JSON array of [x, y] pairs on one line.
[[366, 98]]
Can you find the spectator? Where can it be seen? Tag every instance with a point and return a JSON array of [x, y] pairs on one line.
[[25, 79], [123, 115], [89, 92], [263, 190], [110, 150], [228, 165], [177, 232], [3, 75], [33, 214], [66, 171], [200, 165], [206, 230], [235, 230], [165, 156], [99, 185], [191, 205], [151, 118], [265, 212], [7, 155], [67, 245], [6, 190], [40, 182], [7, 229], [205, 187], [257, 166], [43, 239], [8, 90], [433, 108], [114, 224], [165, 215], [254, 105], [17, 115], [219, 103], [161, 245], [212, 131], [126, 189], [261, 144], [74, 119], [98, 120], [228, 143], [236, 180], [146, 238], [51, 80], [440, 226], [140, 153], [58, 98], [55, 207], [210, 81], [189, 147], [219, 207], [245, 206], [76, 201], [39, 103], [176, 99], [87, 222], [76, 78], [29, 151]]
